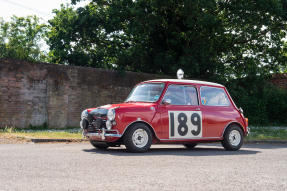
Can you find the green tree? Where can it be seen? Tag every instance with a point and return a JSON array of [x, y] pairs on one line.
[[209, 39], [21, 38], [67, 47]]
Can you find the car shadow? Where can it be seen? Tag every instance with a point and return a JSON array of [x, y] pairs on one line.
[[265, 145], [201, 151]]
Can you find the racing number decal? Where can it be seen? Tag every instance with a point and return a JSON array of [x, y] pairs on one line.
[[185, 124]]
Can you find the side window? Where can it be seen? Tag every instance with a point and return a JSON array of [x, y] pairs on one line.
[[212, 96], [181, 95], [176, 94]]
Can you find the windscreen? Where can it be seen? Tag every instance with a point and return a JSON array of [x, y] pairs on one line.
[[147, 92]]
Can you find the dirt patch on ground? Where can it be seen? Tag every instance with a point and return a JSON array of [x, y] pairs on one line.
[[13, 140], [8, 139]]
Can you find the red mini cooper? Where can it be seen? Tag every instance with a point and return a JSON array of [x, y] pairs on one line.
[[184, 112]]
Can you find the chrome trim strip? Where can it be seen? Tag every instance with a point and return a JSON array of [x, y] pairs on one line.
[[192, 138], [112, 135]]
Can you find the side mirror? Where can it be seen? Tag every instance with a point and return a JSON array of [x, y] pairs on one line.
[[166, 102], [240, 110]]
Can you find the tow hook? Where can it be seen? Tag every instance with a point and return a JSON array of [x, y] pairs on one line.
[[103, 133]]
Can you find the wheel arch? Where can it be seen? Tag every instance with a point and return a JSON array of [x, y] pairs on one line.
[[230, 124], [141, 122]]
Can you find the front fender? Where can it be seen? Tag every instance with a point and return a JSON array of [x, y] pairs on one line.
[[127, 116]]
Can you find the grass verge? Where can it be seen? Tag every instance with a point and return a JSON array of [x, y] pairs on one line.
[[256, 133], [41, 134], [267, 133]]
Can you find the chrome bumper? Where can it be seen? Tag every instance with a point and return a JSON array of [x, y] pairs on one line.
[[101, 135]]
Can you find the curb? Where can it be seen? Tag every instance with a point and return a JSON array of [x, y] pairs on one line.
[[84, 140], [265, 142], [57, 140]]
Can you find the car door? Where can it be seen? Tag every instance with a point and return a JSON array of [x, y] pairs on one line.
[[217, 110], [181, 117]]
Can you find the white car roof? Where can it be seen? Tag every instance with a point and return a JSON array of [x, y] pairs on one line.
[[186, 81]]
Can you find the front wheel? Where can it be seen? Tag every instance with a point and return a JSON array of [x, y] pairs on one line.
[[233, 138], [138, 138]]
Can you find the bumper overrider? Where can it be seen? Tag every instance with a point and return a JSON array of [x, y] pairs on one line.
[[248, 131]]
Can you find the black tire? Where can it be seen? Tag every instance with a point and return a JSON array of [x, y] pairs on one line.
[[138, 130], [232, 132], [190, 145], [99, 145]]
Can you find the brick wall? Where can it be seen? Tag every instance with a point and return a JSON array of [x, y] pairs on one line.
[[38, 93]]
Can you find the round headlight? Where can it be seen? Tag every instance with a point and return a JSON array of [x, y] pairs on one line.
[[84, 114], [108, 124], [111, 114]]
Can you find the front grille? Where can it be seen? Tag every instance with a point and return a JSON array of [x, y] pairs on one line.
[[96, 120], [99, 123], [90, 118]]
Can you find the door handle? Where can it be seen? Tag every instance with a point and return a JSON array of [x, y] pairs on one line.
[[197, 109]]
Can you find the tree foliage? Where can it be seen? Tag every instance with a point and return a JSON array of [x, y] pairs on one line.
[[209, 39], [235, 42], [20, 38], [263, 103]]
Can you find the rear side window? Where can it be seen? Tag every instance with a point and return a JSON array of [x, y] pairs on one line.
[[212, 96], [181, 95]]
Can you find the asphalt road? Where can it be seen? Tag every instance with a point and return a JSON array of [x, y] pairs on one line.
[[166, 167]]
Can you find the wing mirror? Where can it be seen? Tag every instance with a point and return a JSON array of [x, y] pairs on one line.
[[166, 102], [240, 110]]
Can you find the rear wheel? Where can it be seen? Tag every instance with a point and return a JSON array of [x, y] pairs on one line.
[[190, 145], [99, 145], [233, 138], [138, 138]]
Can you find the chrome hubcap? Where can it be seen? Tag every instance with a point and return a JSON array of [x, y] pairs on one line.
[[234, 138], [140, 138]]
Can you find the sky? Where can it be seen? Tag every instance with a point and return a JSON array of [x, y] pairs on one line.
[[41, 8]]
